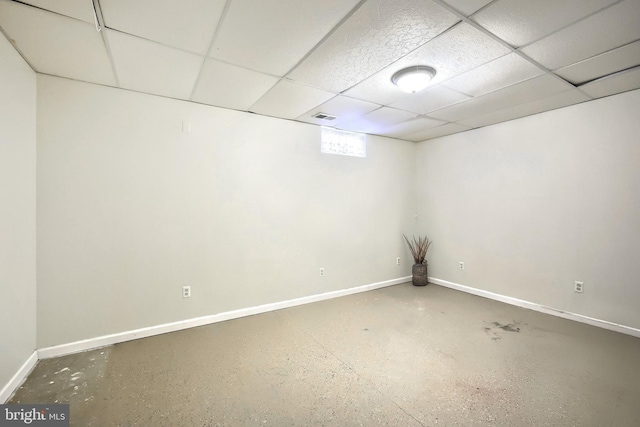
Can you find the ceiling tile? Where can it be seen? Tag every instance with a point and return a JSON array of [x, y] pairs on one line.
[[443, 130], [377, 121], [529, 90], [563, 99], [589, 37], [504, 71], [185, 24], [57, 45], [379, 88], [289, 100], [617, 83], [410, 127], [430, 99], [78, 9], [470, 47], [337, 57], [150, 67], [229, 86], [520, 22], [601, 65], [377, 34], [344, 108], [467, 7], [273, 36]]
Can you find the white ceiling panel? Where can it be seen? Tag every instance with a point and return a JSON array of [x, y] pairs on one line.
[[344, 108], [458, 50], [589, 37], [527, 91], [273, 36], [520, 22], [467, 7], [150, 67], [377, 121], [289, 100], [379, 88], [430, 99], [377, 34], [563, 99], [601, 65], [78, 9], [185, 24], [617, 83], [58, 45], [499, 73], [229, 86], [447, 129], [410, 127]]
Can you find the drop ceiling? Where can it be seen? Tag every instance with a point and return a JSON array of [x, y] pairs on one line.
[[495, 60]]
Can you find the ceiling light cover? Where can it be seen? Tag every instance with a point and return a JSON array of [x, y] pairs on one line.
[[413, 79]]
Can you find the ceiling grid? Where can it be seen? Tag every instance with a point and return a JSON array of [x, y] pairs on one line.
[[292, 59]]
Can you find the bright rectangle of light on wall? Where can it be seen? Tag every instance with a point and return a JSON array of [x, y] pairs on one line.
[[334, 141]]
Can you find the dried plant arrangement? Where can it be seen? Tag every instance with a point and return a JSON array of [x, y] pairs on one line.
[[418, 248]]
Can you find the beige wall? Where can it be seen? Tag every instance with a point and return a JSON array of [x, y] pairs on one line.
[[534, 204], [17, 211], [244, 209]]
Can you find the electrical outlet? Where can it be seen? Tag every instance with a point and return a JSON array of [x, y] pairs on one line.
[[186, 292], [461, 265], [578, 287], [321, 271], [398, 261]]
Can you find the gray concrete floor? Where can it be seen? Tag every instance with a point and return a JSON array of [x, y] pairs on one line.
[[399, 356]]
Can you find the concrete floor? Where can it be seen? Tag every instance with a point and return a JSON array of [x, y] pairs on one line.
[[399, 356]]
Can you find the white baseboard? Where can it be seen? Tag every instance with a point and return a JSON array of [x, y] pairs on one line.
[[541, 308], [92, 343], [17, 380]]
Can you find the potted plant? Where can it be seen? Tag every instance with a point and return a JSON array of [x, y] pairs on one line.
[[419, 250]]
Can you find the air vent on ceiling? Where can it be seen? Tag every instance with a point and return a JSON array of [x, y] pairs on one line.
[[324, 116]]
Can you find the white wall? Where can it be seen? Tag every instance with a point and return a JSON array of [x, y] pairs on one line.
[[244, 209], [534, 204], [17, 212]]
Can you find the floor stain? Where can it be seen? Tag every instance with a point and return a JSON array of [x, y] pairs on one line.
[[494, 331], [76, 378], [509, 327]]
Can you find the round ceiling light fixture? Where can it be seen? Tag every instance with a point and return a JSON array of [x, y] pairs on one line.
[[413, 79]]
